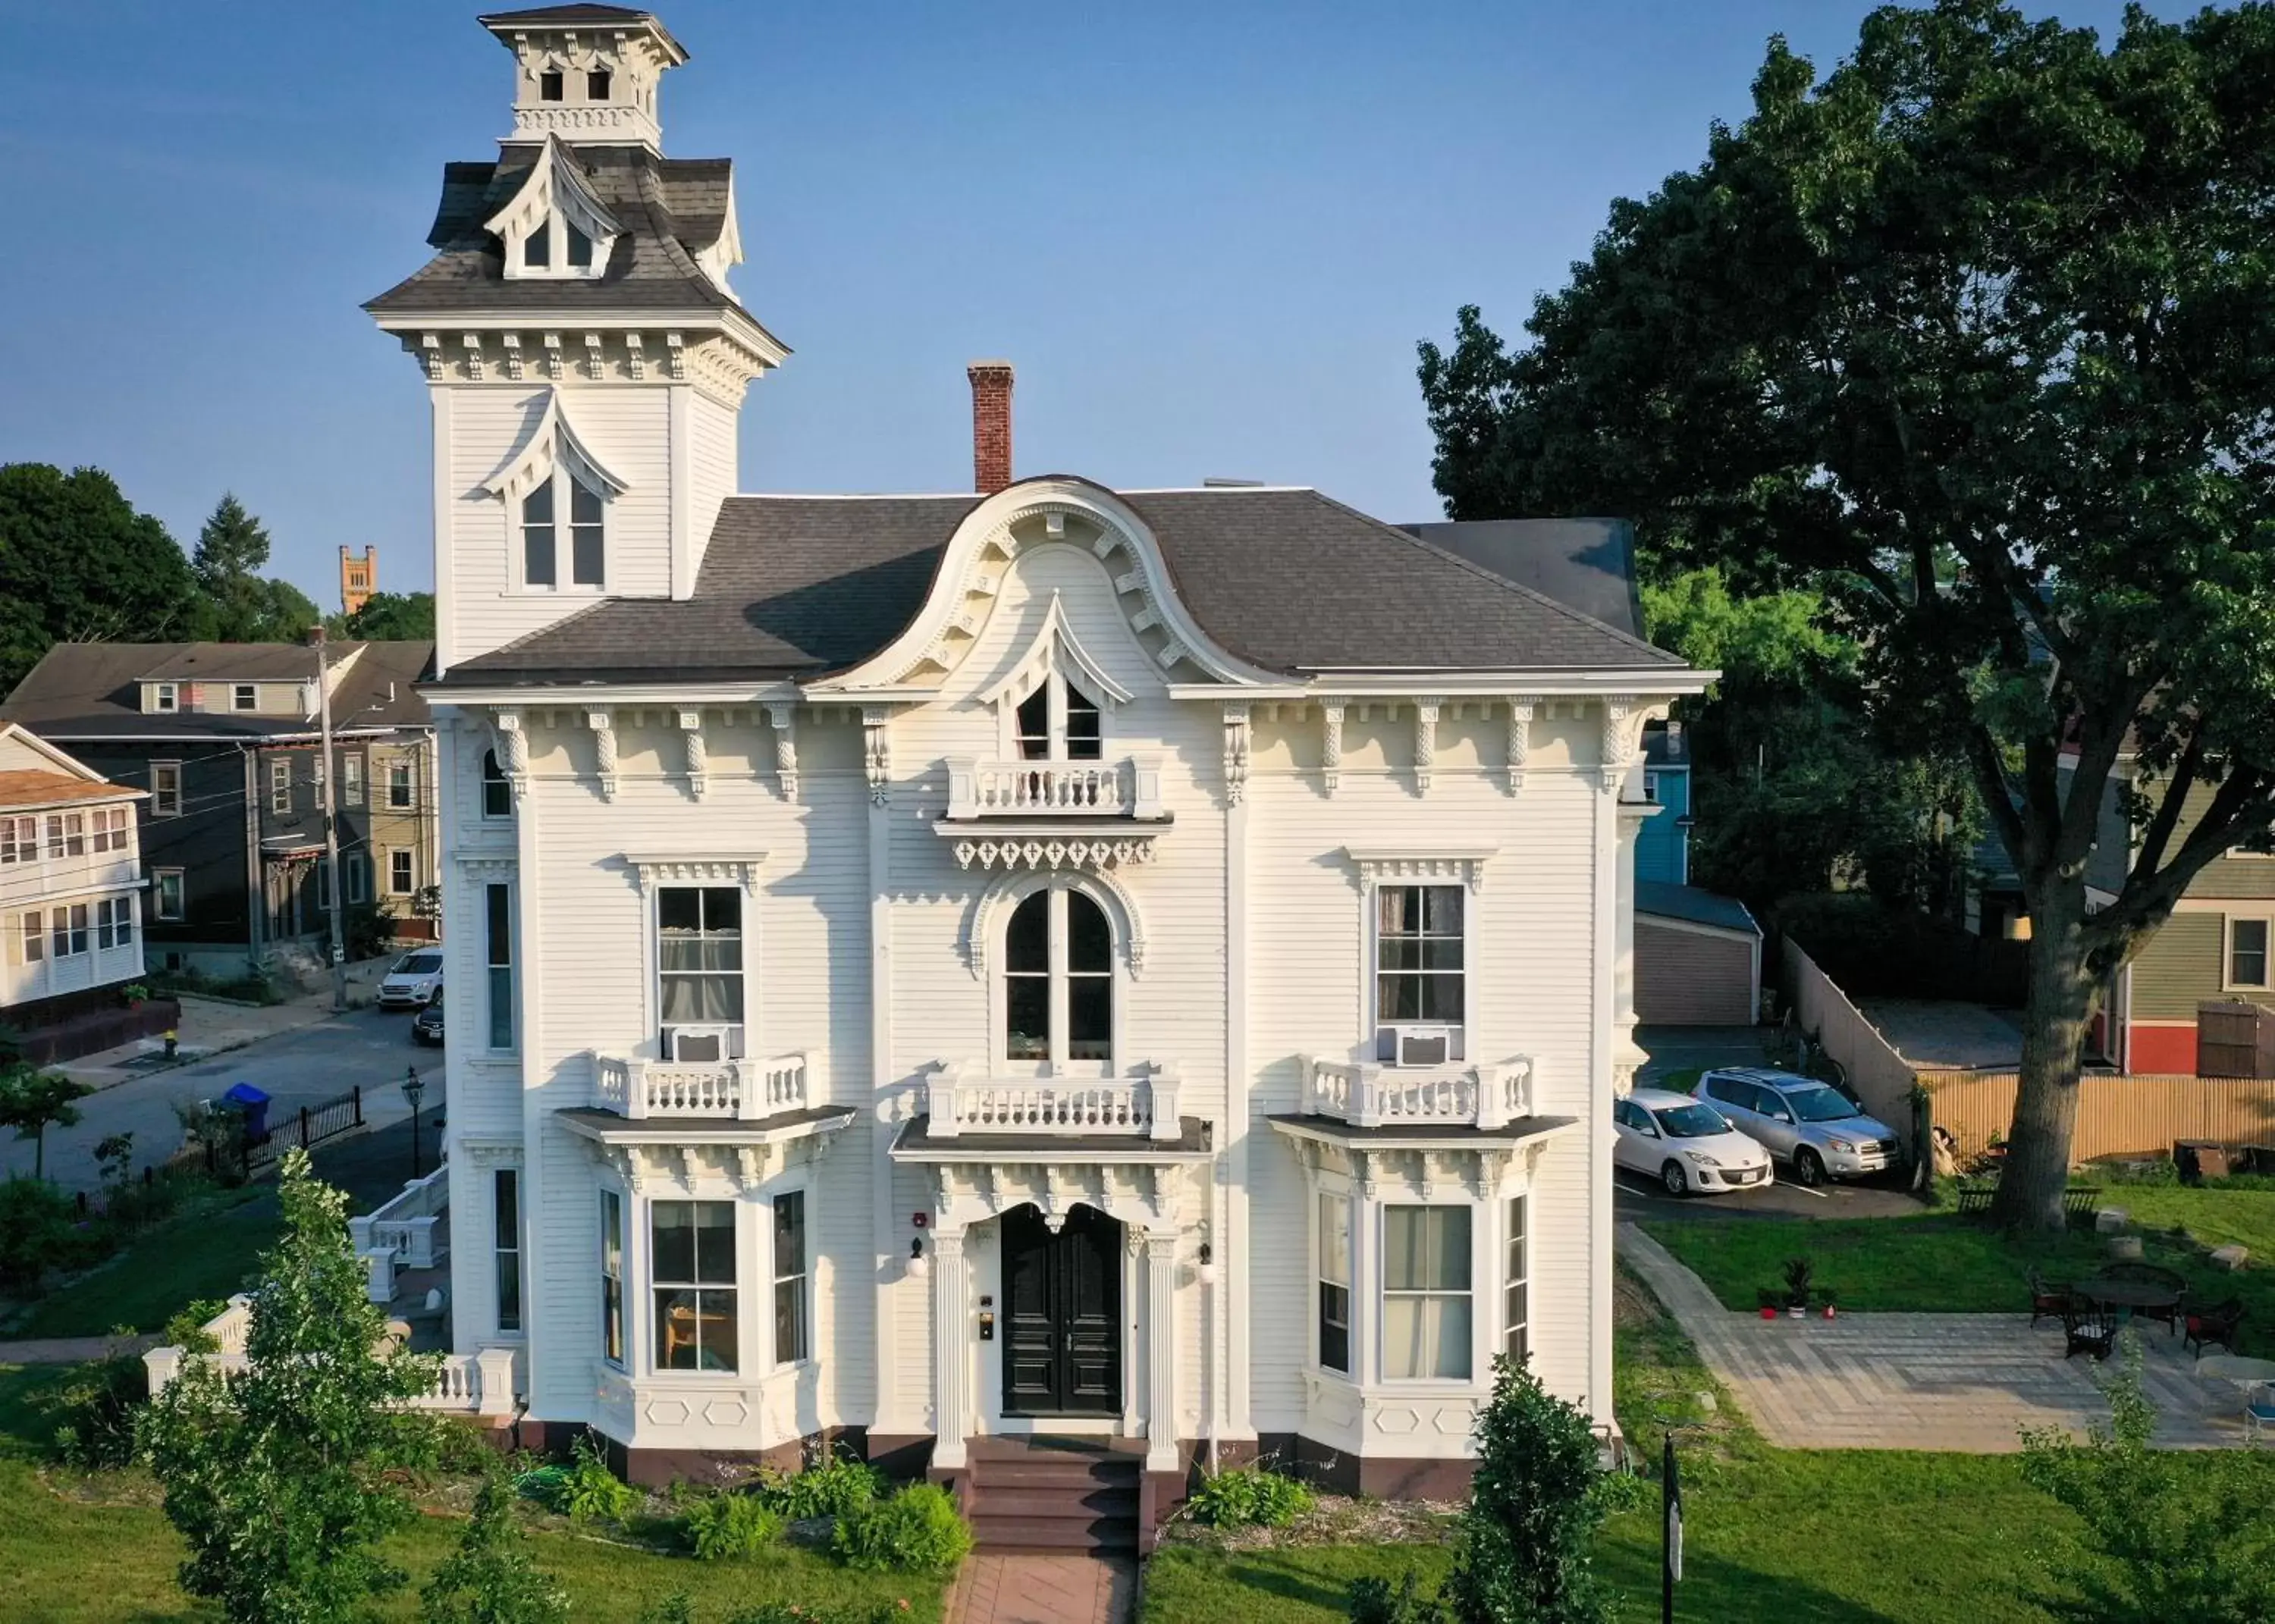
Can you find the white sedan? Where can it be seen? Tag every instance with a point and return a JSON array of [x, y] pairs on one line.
[[1685, 1143]]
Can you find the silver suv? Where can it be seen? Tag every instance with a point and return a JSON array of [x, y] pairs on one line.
[[1799, 1120]]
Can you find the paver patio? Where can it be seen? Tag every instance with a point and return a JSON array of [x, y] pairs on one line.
[[1043, 1589], [1963, 1382]]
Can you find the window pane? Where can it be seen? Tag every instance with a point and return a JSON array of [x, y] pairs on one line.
[[588, 560], [1027, 1017], [1026, 941], [580, 249], [789, 1321], [1335, 1240], [548, 87], [1034, 723], [506, 1210], [679, 908], [1090, 1018], [1082, 725], [672, 1224], [583, 505], [1335, 1327], [715, 1242], [1089, 943], [596, 85], [723, 908], [509, 1276], [536, 248], [695, 1330], [790, 1234]]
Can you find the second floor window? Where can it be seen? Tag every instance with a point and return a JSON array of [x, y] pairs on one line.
[[564, 497], [165, 789], [111, 827], [1058, 723], [699, 933], [66, 834], [350, 780], [19, 840], [402, 786], [1418, 953], [280, 787], [398, 873], [497, 928], [497, 794], [1058, 980], [166, 892]]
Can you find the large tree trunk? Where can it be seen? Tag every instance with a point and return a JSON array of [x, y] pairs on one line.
[[2055, 1022]]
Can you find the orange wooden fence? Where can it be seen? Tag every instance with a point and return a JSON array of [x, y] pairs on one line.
[[2117, 1115]]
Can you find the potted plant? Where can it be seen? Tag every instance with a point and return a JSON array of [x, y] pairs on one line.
[[135, 993], [1825, 1295], [1769, 1299], [1797, 1271]]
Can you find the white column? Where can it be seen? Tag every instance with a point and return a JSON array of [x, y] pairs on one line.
[[951, 1345], [538, 1271], [1603, 1057], [898, 1411], [1625, 1055], [1161, 1353], [1228, 1346]]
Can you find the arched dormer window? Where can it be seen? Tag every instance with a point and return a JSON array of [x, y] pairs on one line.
[[555, 225], [1054, 701], [1058, 993], [557, 494]]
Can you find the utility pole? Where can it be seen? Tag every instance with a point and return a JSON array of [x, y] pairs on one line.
[[331, 823]]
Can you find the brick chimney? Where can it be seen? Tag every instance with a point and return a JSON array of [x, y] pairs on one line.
[[991, 425]]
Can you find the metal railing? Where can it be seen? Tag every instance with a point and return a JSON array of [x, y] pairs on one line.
[[1490, 1094], [747, 1090], [1137, 1107]]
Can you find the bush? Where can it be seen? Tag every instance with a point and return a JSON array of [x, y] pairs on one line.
[[1528, 1530], [1374, 1601], [917, 1530], [1620, 1492], [834, 1488], [1250, 1497], [94, 1411], [730, 1527], [40, 1230], [589, 1490]]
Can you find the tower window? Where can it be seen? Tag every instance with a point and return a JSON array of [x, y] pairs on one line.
[[537, 536], [548, 87], [585, 533], [536, 249], [580, 249], [596, 85]]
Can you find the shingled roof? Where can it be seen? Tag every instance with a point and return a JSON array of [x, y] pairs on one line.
[[92, 691], [670, 209], [801, 586]]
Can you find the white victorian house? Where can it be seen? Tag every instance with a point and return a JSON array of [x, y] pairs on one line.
[[928, 972]]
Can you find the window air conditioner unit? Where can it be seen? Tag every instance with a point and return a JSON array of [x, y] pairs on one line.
[[1424, 1045], [693, 1044]]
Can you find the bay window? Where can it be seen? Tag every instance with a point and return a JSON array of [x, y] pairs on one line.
[[612, 1277], [790, 1329], [692, 1253], [505, 1212], [1425, 1293], [1335, 1283]]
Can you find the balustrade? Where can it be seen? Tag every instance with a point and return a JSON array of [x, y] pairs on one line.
[[747, 1090], [1487, 1095], [1022, 789], [1138, 1107]]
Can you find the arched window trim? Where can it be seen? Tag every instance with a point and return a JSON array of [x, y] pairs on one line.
[[556, 456], [555, 200], [983, 932], [1056, 664], [997, 923]]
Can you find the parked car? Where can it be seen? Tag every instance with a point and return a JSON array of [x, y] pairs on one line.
[[1685, 1143], [413, 982], [1822, 1132], [427, 1025]]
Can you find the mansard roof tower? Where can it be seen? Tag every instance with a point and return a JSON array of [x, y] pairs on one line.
[[580, 338]]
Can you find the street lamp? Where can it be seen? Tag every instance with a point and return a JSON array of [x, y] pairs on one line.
[[411, 1089]]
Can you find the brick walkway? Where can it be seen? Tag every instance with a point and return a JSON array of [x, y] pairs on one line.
[[1920, 1381], [1043, 1589]]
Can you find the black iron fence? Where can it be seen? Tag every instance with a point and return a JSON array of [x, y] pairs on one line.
[[245, 1155]]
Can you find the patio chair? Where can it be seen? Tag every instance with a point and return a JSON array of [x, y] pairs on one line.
[[2048, 1299], [2215, 1324], [2087, 1328], [2259, 1412]]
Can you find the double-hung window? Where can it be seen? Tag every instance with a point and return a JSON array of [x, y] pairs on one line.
[[1335, 1283], [68, 930], [19, 840], [497, 947], [612, 1277], [1058, 981], [1516, 1306], [497, 794], [66, 834], [564, 497], [35, 938], [505, 1212], [167, 696], [692, 1250], [280, 785], [398, 873], [244, 697], [2247, 952], [114, 923], [1418, 981], [352, 781], [790, 1335], [165, 789], [111, 828], [1425, 1293], [402, 786], [166, 891], [699, 933]]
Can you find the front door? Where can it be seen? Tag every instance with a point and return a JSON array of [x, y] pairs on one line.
[[1062, 1315]]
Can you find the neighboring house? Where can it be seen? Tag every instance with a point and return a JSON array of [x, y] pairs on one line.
[[2216, 946], [70, 877], [1663, 846], [1697, 956], [930, 970], [223, 739]]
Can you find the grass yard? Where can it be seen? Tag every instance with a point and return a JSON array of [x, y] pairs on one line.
[[1792, 1534], [1937, 1263], [209, 1250], [79, 1549]]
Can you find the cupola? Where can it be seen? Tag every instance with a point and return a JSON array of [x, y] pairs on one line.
[[586, 73]]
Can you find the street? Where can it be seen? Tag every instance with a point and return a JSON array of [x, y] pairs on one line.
[[370, 1048]]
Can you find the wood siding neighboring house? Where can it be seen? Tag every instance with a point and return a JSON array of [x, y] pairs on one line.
[[71, 885]]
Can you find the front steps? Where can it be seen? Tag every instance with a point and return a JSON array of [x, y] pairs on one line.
[[1051, 1494]]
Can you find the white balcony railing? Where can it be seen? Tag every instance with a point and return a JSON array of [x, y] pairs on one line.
[[1130, 788], [747, 1090], [482, 1383], [1366, 1095], [412, 1231], [1136, 1108]]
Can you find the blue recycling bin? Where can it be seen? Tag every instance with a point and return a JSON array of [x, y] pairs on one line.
[[254, 1104]]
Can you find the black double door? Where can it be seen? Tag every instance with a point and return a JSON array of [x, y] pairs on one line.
[[1062, 1315]]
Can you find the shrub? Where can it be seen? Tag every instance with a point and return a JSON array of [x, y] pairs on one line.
[[547, 1484], [917, 1530], [1620, 1492], [1375, 1601], [489, 1579], [1533, 1512], [94, 1411], [39, 1231], [730, 1527], [589, 1490], [834, 1488], [1250, 1497]]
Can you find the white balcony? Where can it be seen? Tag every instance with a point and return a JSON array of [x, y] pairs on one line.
[[1129, 788], [412, 1231], [1131, 1108], [476, 1384], [745, 1090], [1366, 1095]]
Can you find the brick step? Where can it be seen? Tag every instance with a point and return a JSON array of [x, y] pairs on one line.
[[1100, 1501], [995, 1534], [1044, 1470]]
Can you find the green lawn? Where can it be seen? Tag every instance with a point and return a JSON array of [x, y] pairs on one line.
[[1789, 1535], [1939, 1263], [208, 1251], [96, 1549]]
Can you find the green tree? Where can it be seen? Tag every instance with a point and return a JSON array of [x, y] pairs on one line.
[[241, 604], [1533, 1511], [2181, 1534], [1976, 338], [277, 1476], [390, 617], [32, 1101], [490, 1579], [78, 564]]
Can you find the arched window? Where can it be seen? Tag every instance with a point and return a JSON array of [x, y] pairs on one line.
[[497, 794], [1058, 723], [1058, 982], [542, 510]]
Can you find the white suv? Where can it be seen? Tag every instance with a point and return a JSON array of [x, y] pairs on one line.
[[414, 981]]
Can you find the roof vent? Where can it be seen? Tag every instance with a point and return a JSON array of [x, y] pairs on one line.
[[1221, 482]]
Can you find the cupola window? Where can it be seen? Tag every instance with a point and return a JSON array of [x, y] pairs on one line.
[[555, 225], [580, 249], [548, 86], [596, 85], [537, 247]]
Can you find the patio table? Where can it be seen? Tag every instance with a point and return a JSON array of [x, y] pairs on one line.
[[2133, 1294]]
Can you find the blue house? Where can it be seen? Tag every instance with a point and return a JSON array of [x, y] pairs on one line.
[[1663, 843]]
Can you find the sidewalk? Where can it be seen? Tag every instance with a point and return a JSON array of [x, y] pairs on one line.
[[212, 1026]]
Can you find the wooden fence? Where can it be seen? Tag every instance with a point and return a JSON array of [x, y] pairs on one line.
[[1876, 1074], [2138, 1114]]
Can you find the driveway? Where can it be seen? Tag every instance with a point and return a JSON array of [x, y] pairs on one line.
[[303, 1067], [1694, 1048]]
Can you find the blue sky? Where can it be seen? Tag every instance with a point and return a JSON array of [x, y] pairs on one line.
[[1208, 235]]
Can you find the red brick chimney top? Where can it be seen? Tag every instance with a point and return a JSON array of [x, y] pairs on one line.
[[991, 425]]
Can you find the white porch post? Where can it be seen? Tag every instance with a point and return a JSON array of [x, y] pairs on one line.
[[1161, 1353], [951, 1350]]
